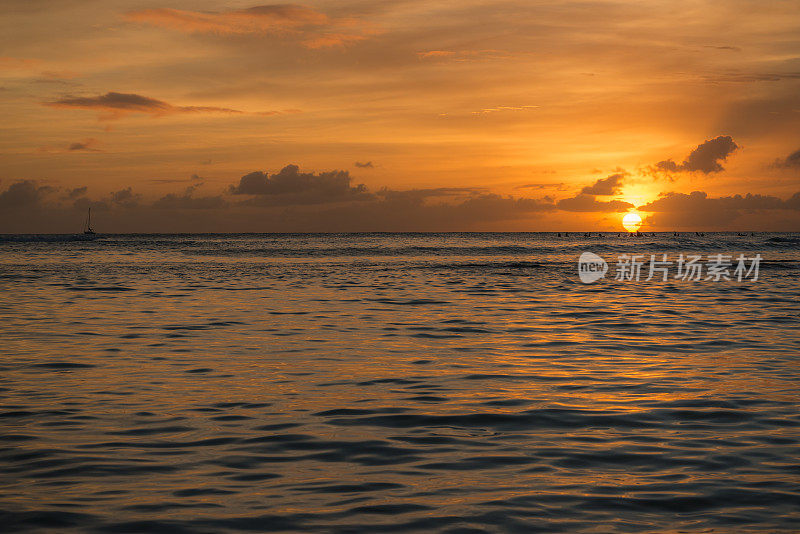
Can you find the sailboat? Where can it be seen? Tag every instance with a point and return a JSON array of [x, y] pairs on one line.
[[87, 229]]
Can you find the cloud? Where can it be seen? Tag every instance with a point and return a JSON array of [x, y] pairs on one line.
[[429, 54], [560, 186], [125, 198], [697, 209], [463, 55], [194, 178], [486, 111], [605, 186], [366, 165], [82, 203], [285, 206], [738, 77], [59, 75], [89, 144], [22, 194], [314, 29], [724, 47], [290, 186], [328, 40], [187, 201], [259, 19], [705, 158], [793, 202], [420, 210], [291, 200], [77, 192], [587, 203], [673, 201], [493, 205], [115, 105], [792, 161], [419, 196]]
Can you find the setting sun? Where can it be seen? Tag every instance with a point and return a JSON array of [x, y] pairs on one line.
[[631, 222]]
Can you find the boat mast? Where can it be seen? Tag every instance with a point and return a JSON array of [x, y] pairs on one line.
[[88, 228]]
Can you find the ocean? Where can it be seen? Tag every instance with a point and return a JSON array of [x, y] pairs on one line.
[[456, 383]]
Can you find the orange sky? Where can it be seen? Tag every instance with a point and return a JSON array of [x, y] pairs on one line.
[[505, 115]]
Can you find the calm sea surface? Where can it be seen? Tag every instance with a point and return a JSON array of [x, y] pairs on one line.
[[394, 383]]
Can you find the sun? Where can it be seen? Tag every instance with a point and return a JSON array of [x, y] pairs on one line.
[[631, 222]]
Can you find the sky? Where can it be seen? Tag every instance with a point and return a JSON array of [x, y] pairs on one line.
[[226, 116]]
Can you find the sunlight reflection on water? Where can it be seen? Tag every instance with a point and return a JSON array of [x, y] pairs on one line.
[[393, 382]]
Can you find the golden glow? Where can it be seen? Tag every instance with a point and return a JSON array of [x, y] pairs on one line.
[[631, 222], [116, 103]]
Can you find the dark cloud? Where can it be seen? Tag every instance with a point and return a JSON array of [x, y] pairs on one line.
[[187, 201], [82, 203], [697, 209], [366, 165], [793, 202], [724, 47], [187, 213], [115, 105], [705, 158], [77, 192], [587, 203], [90, 145], [673, 201], [290, 186], [289, 200], [492, 205], [463, 198], [605, 186], [23, 194], [792, 161], [417, 211], [289, 207], [125, 198]]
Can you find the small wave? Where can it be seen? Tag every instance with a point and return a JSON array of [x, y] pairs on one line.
[[784, 239], [110, 289], [63, 365], [45, 238]]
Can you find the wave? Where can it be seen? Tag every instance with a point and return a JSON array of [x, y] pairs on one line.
[[46, 238]]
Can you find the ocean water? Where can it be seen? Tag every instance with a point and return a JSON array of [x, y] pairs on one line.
[[395, 383]]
